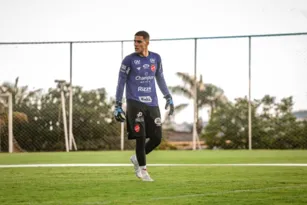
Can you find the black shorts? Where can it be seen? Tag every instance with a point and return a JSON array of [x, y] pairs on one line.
[[143, 120]]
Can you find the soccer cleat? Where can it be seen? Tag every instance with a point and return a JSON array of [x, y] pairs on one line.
[[145, 176], [137, 168]]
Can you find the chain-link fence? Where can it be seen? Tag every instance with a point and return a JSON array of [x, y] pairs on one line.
[[250, 93]]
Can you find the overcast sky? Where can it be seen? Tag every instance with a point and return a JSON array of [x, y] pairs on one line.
[[279, 64]]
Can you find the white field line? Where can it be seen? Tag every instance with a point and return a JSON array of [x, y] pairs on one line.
[[187, 196], [155, 165]]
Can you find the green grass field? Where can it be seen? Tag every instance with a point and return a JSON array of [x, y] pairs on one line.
[[238, 185]]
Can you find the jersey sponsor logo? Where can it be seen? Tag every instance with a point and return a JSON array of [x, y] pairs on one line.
[[144, 77], [153, 67], [152, 60], [137, 62], [145, 66], [144, 89], [145, 99]]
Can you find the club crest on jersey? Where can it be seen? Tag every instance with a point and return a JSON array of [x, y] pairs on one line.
[[153, 67]]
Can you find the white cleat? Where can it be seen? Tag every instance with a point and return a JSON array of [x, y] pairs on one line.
[[145, 176], [137, 168]]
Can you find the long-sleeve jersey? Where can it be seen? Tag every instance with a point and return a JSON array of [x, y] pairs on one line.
[[138, 74]]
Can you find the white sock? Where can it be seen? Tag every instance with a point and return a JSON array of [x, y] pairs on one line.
[[134, 157], [143, 167]]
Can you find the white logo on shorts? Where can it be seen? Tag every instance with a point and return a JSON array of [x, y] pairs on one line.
[[158, 121], [139, 117]]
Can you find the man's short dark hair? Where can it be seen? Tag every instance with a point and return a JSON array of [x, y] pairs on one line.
[[143, 33]]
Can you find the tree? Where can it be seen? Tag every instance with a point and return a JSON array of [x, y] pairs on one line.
[[208, 95], [93, 124], [228, 127], [21, 100], [273, 125], [20, 94]]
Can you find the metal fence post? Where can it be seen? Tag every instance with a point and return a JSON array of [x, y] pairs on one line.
[[195, 96], [10, 122], [70, 99], [72, 141], [249, 96], [122, 125]]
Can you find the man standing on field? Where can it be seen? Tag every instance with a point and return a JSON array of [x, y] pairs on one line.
[[137, 74]]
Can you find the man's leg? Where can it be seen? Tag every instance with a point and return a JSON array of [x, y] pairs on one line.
[[154, 129], [154, 132], [153, 142], [140, 151], [139, 160], [137, 130]]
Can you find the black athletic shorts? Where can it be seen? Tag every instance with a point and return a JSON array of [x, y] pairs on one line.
[[143, 120]]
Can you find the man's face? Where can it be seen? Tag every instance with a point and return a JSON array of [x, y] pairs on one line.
[[140, 44]]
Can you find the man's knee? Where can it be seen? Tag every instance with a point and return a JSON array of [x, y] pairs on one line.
[[157, 141], [158, 136]]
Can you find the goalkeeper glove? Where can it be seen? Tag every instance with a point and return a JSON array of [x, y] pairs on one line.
[[169, 103], [119, 114]]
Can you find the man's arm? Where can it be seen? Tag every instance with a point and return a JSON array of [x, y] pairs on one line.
[[163, 87], [160, 78], [122, 78]]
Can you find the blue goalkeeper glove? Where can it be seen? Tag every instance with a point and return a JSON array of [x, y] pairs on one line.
[[119, 114], [169, 103]]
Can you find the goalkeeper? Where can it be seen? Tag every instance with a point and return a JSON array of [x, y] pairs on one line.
[[137, 74]]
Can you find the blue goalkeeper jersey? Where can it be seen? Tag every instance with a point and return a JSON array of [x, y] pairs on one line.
[[138, 74]]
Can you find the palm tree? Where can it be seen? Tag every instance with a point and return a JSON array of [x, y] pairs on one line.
[[20, 97], [208, 95]]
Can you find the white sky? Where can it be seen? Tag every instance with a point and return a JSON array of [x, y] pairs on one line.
[[279, 64]]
